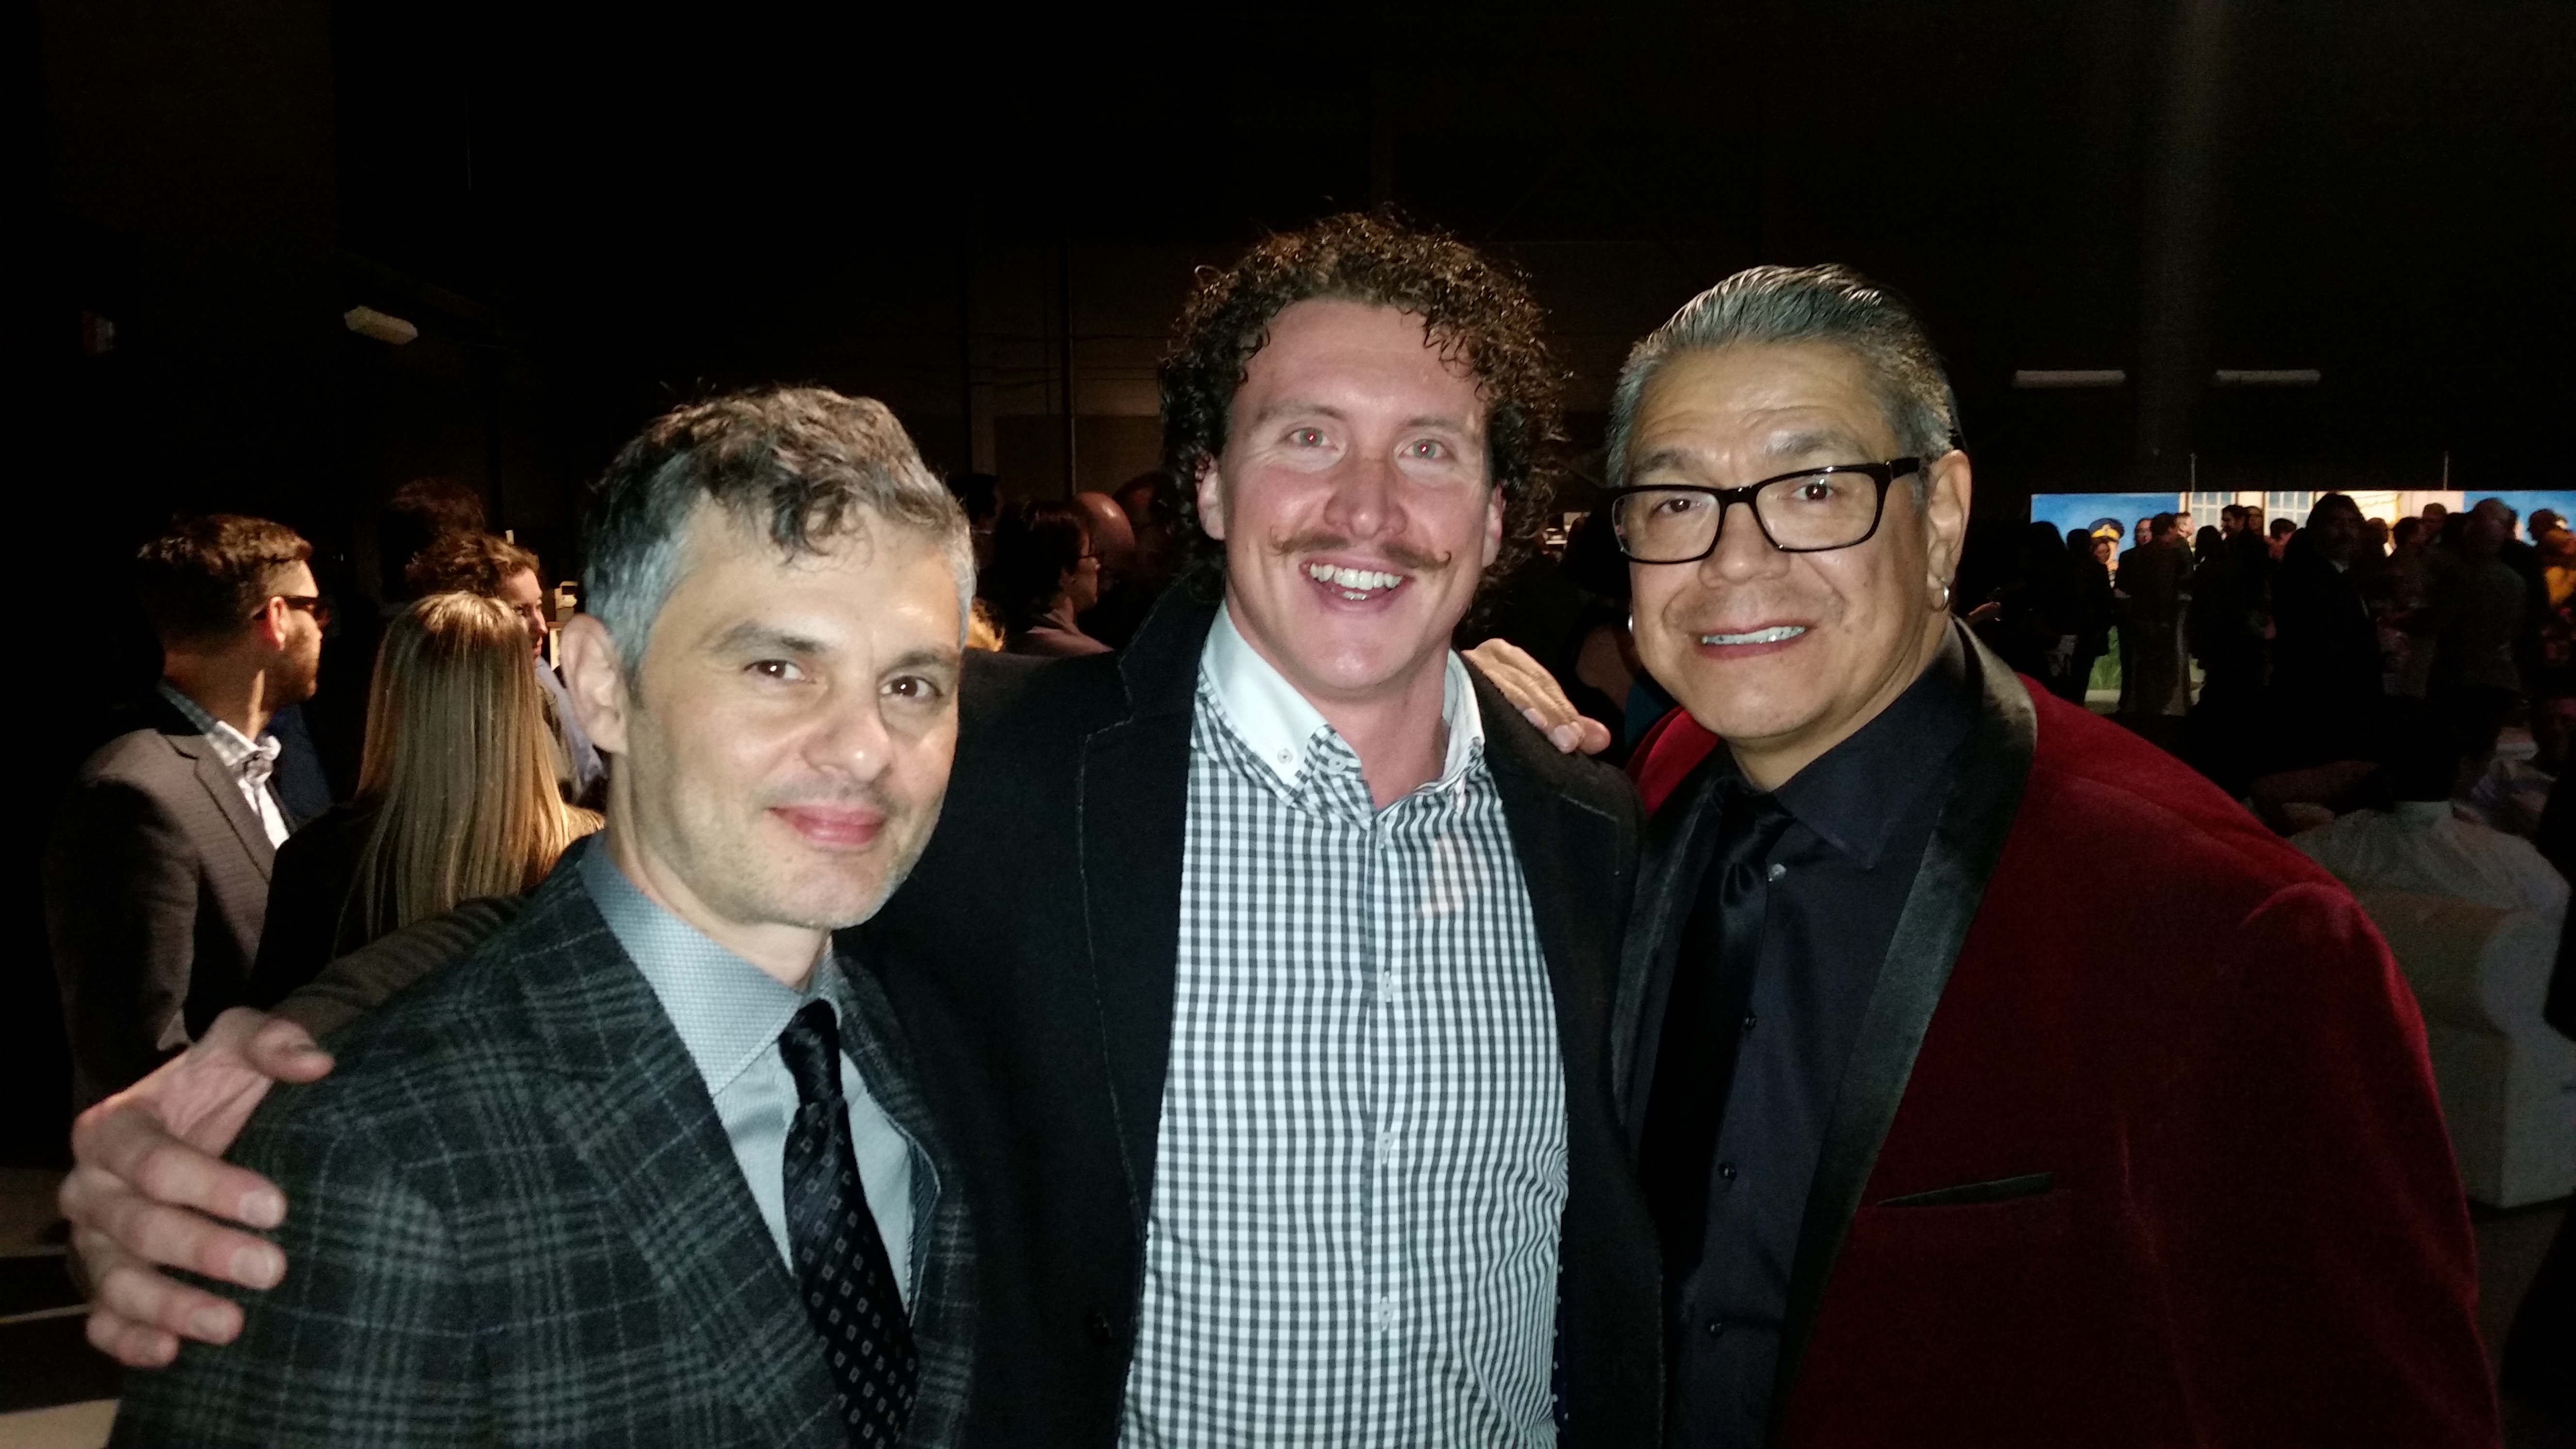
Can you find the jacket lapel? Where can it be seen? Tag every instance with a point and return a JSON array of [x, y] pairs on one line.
[[1133, 807], [225, 790], [634, 1108], [1679, 840], [241, 898], [1977, 814], [1548, 829]]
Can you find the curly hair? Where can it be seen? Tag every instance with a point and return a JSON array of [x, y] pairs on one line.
[[1477, 313], [803, 466], [466, 563]]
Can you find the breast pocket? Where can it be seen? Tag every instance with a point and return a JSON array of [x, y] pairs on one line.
[[2000, 1189], [1972, 1249]]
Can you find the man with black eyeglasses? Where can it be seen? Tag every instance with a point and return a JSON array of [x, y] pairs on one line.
[[1994, 1079], [156, 875]]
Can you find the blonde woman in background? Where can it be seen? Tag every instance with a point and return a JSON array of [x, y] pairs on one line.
[[456, 796]]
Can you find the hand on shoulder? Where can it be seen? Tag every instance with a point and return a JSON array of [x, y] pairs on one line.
[[148, 1186]]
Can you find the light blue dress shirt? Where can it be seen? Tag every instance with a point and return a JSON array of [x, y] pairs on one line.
[[729, 1014]]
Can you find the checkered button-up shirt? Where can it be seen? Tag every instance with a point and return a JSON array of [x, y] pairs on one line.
[[1361, 1169]]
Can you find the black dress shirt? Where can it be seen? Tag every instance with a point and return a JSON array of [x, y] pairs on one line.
[[1836, 880]]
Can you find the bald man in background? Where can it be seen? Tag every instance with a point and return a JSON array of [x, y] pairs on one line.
[[1125, 596]]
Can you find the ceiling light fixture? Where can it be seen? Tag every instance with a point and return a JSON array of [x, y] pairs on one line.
[[2070, 377], [2266, 377]]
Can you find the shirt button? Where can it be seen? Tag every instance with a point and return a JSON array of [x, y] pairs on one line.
[[1716, 1327], [1778, 871], [1386, 1147], [1726, 1170], [1748, 1021]]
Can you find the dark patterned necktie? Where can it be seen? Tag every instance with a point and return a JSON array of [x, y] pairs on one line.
[[1703, 1025], [841, 1266]]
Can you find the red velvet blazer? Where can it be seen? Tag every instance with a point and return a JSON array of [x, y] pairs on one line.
[[2139, 1145]]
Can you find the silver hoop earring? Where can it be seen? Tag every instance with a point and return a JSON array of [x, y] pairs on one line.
[[1945, 600]]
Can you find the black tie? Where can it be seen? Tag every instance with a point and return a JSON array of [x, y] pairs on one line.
[[841, 1262], [1703, 1024]]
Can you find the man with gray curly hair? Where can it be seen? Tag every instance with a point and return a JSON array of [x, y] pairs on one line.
[[648, 1165]]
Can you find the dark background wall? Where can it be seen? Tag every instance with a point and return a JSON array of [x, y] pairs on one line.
[[989, 222]]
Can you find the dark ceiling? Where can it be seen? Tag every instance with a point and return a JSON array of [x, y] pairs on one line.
[[626, 210], [2386, 193]]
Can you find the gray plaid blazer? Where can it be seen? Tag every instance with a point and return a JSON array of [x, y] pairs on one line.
[[514, 1219]]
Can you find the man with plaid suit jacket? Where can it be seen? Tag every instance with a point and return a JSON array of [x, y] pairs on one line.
[[648, 1165]]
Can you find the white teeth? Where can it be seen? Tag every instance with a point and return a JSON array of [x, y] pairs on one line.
[[1772, 635], [1352, 582]]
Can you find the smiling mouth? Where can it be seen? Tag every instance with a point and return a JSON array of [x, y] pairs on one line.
[[1776, 634], [1356, 585], [834, 827]]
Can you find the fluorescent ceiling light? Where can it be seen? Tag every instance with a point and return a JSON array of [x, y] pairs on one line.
[[2267, 377], [2070, 377]]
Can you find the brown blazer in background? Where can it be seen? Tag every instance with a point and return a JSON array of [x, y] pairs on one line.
[[156, 884]]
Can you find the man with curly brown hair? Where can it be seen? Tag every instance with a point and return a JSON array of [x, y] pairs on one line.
[[1285, 941], [1259, 973]]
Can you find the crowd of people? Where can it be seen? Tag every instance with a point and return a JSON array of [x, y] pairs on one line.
[[2306, 637], [1242, 1017], [185, 875]]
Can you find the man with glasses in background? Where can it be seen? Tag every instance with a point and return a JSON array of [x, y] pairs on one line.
[[156, 874], [1994, 1078]]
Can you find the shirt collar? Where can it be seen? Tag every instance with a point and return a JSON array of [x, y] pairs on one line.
[[1272, 719], [1854, 794], [231, 745], [726, 1010]]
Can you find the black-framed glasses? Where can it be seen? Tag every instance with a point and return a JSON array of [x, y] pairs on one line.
[[1814, 510], [317, 605]]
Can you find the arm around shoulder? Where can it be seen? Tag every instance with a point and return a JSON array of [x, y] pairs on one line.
[[384, 968]]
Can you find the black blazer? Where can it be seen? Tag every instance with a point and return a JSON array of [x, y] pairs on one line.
[[1032, 955], [312, 920], [2325, 649]]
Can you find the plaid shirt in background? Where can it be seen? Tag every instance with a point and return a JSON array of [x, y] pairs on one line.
[[1361, 1172]]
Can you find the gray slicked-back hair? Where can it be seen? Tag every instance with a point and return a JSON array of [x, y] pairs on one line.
[[803, 465], [1805, 304]]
